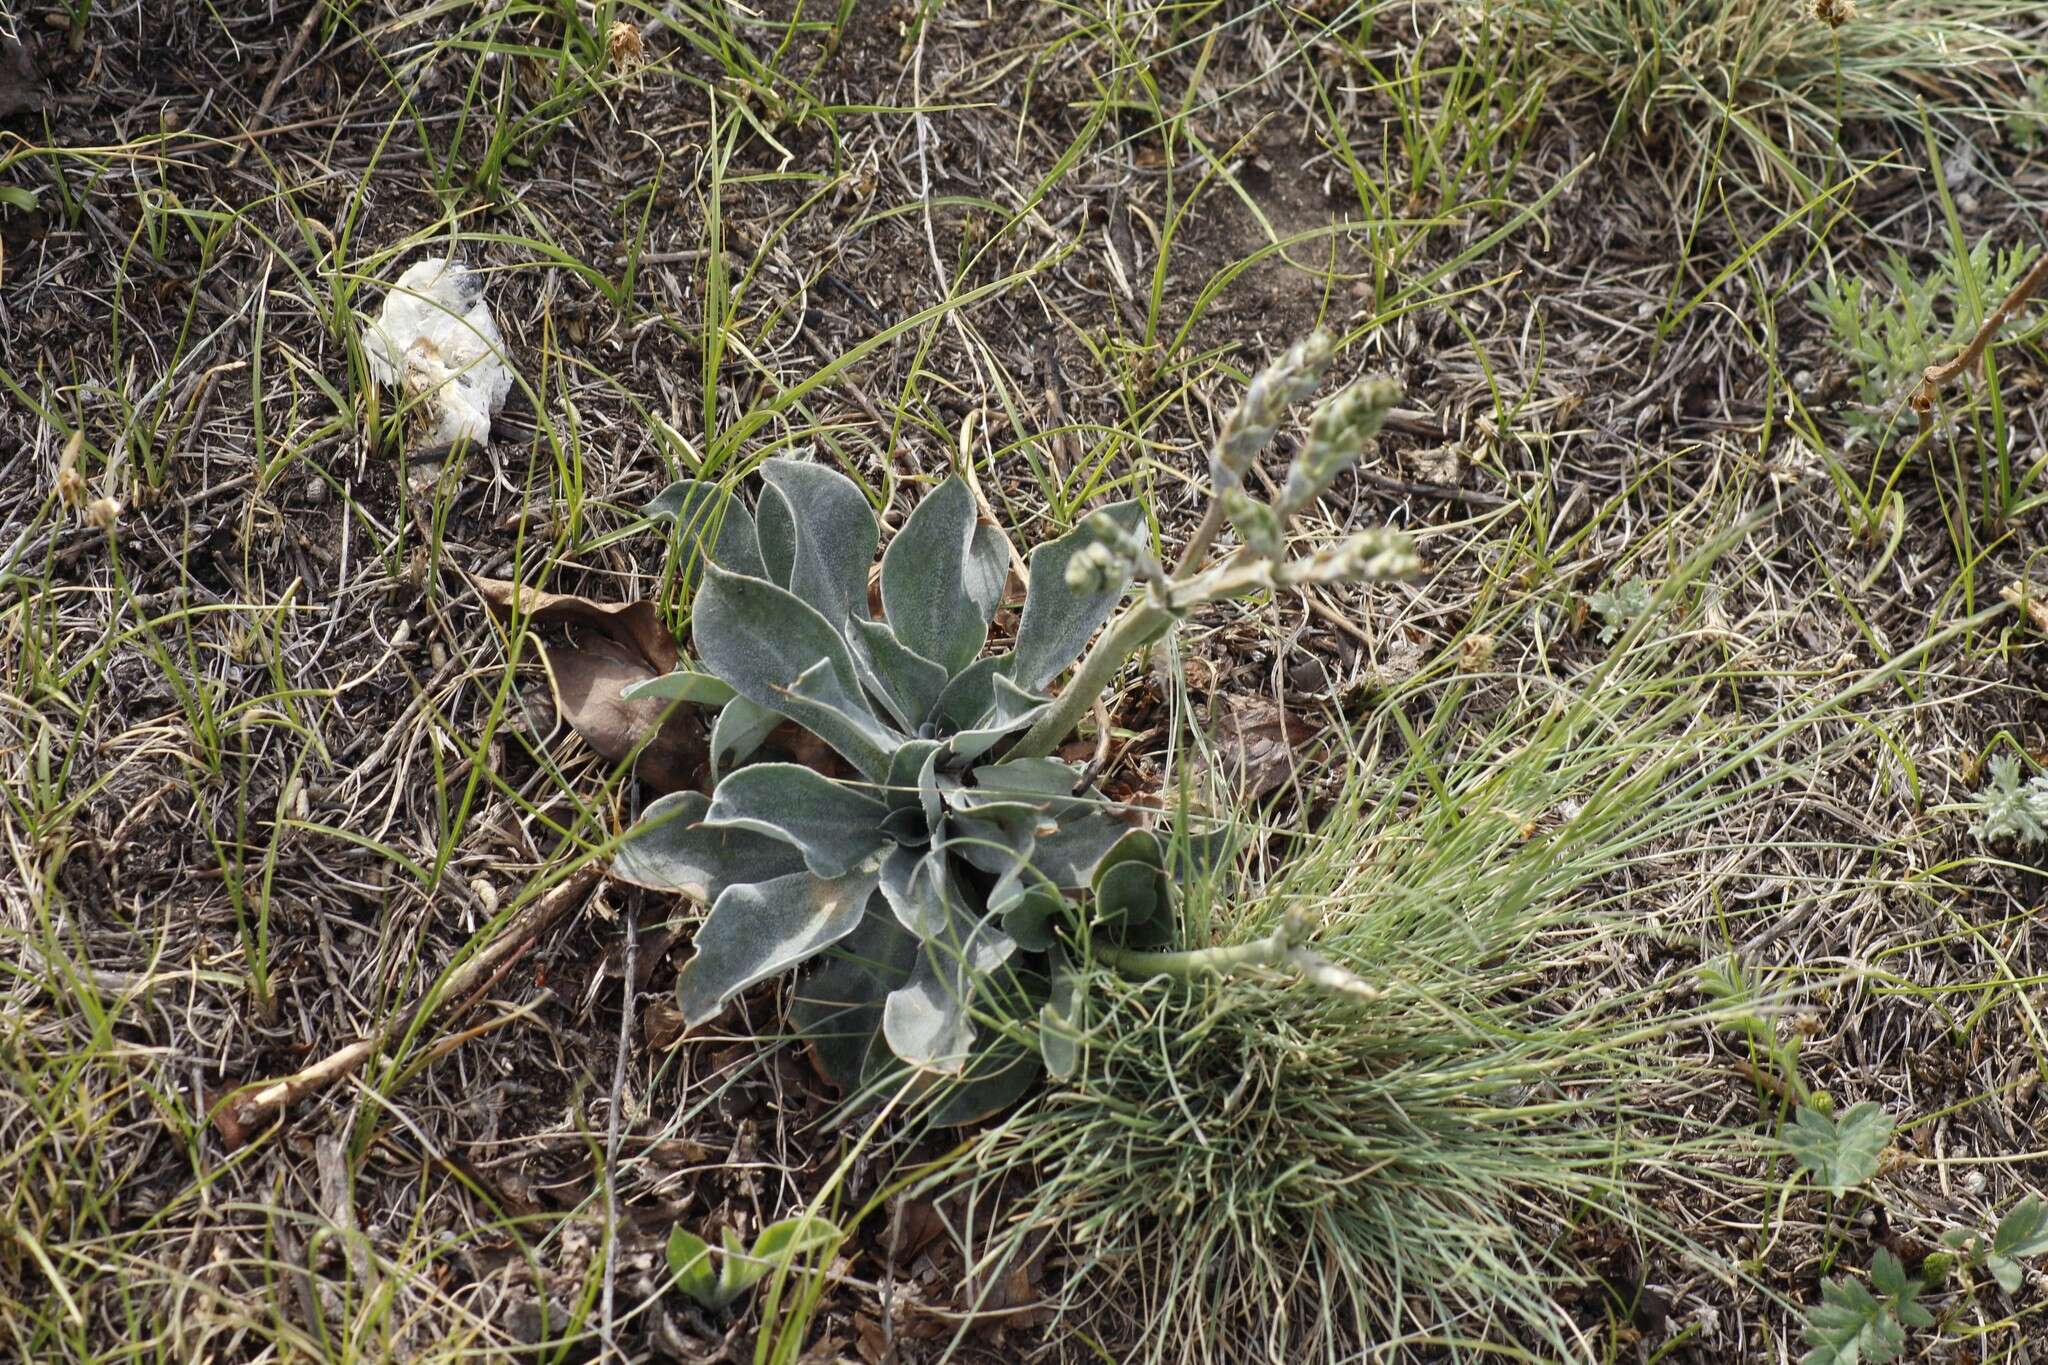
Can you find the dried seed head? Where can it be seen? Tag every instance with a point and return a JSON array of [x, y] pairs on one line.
[[1834, 13], [1094, 568], [1251, 423], [628, 50], [71, 483], [103, 513]]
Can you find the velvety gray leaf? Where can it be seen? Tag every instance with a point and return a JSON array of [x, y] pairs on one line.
[[1068, 856], [1136, 846], [1084, 827], [906, 682], [699, 689], [775, 529], [739, 730], [1030, 777], [1030, 908], [836, 536], [837, 1007], [987, 570], [919, 889], [704, 512], [928, 1020], [1059, 621], [835, 826], [756, 931], [1014, 710], [933, 589], [995, 1078], [1200, 855], [668, 849], [1128, 894], [913, 778], [1062, 1021], [1131, 888], [780, 654], [831, 710], [970, 694], [996, 842]]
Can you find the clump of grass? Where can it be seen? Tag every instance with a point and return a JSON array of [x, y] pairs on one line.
[[1774, 78], [1248, 1168]]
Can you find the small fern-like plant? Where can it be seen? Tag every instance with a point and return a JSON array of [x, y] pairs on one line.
[[946, 871], [1890, 331]]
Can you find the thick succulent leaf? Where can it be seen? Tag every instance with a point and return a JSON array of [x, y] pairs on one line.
[[929, 1019], [739, 730], [775, 529], [710, 523], [1058, 620], [836, 536], [780, 654], [837, 1007], [970, 695], [669, 849], [684, 684], [1063, 1019], [941, 581], [906, 682], [836, 826], [919, 888], [914, 779], [756, 931], [1130, 894], [1014, 709]]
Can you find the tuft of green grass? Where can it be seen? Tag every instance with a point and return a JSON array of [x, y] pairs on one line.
[[1771, 78], [1250, 1168]]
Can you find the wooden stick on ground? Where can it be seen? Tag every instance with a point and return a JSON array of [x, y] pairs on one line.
[[284, 68], [239, 1115]]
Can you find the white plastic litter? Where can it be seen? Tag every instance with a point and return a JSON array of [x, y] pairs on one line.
[[436, 340]]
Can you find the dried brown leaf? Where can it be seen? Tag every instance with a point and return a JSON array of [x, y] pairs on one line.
[[620, 644], [1257, 742], [588, 679], [637, 624]]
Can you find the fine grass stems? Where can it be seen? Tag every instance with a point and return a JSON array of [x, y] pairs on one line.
[[1778, 81], [1246, 1167]]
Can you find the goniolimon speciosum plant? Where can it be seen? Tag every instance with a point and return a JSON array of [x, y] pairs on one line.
[[950, 872]]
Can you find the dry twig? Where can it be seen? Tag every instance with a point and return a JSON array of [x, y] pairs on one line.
[[238, 1116], [1934, 376]]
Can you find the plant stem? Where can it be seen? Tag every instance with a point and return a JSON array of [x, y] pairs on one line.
[[1139, 625], [1188, 963], [1198, 544]]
